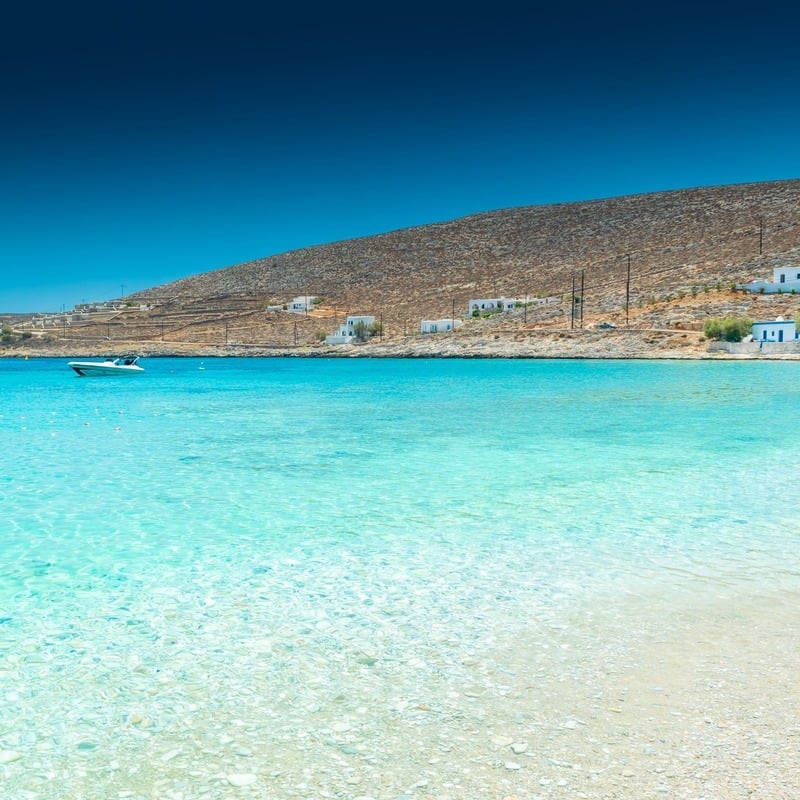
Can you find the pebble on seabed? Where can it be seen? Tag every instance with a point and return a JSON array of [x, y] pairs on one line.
[[241, 778]]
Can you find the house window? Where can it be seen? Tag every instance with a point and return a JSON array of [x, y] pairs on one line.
[[783, 277], [764, 335]]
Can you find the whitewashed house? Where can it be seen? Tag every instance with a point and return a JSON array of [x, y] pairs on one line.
[[439, 325], [778, 330], [784, 279], [346, 332], [301, 304], [491, 304]]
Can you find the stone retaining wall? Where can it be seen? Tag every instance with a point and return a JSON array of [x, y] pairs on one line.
[[756, 348]]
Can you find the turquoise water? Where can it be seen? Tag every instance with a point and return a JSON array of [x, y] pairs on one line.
[[312, 578]]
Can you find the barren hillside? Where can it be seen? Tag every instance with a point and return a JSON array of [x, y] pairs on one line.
[[653, 262], [674, 241]]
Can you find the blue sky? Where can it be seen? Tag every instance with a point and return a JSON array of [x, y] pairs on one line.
[[143, 142]]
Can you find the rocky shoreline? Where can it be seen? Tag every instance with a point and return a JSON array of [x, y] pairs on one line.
[[646, 344]]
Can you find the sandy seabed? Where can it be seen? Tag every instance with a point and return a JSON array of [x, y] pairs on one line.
[[700, 704], [692, 697]]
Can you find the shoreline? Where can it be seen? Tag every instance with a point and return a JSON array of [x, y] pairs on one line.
[[579, 344]]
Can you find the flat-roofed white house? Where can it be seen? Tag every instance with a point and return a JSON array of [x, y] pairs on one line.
[[778, 330], [491, 304], [302, 303], [439, 325], [784, 279], [346, 332]]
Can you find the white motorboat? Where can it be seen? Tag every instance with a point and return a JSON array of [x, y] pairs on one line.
[[124, 365]]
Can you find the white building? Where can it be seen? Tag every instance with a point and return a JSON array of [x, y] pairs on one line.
[[778, 330], [439, 325], [301, 304], [491, 304], [346, 332], [784, 279]]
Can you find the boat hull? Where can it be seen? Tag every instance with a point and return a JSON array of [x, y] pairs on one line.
[[93, 369]]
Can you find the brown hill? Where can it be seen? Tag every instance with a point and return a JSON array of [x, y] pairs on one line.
[[677, 241], [674, 255]]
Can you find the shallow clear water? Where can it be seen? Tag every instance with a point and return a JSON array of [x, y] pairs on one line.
[[283, 578]]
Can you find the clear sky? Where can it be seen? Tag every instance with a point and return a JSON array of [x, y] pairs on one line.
[[146, 141]]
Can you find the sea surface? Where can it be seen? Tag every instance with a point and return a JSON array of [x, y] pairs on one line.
[[356, 578]]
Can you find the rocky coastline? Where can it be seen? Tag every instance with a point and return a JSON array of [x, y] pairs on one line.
[[645, 344]]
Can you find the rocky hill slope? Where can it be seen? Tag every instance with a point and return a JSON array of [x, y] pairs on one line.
[[674, 242], [660, 261]]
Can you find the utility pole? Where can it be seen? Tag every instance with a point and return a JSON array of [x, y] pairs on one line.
[[628, 292], [525, 311], [583, 271], [572, 304], [760, 236], [453, 318]]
